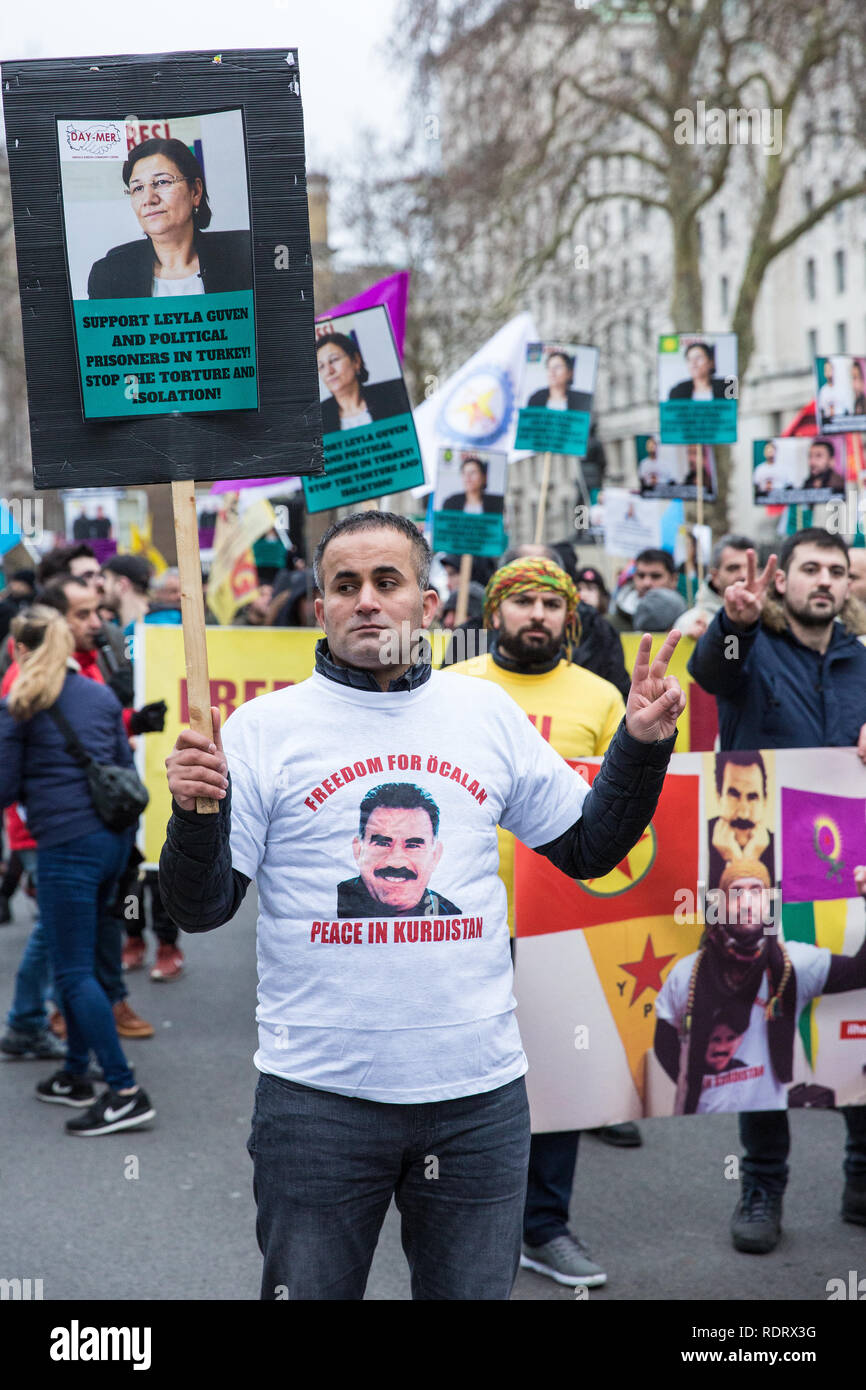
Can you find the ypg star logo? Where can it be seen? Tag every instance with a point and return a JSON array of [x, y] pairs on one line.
[[628, 872], [479, 408]]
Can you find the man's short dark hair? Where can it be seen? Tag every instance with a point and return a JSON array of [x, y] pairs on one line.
[[377, 521], [657, 557], [402, 796], [810, 535], [135, 568], [729, 542], [824, 444], [738, 760], [58, 560], [55, 595]]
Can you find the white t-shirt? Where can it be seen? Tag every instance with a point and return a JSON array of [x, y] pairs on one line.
[[753, 1085], [400, 1008], [190, 284]]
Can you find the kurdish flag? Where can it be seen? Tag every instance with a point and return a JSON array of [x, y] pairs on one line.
[[823, 838]]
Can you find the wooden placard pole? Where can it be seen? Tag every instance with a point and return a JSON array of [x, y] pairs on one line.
[[542, 500], [192, 611], [700, 500], [462, 609]]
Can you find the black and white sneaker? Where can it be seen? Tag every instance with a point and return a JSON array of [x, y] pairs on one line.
[[113, 1112], [65, 1089]]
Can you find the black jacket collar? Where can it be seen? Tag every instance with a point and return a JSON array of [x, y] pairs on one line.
[[363, 680]]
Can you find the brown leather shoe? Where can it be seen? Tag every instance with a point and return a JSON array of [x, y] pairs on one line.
[[128, 1023]]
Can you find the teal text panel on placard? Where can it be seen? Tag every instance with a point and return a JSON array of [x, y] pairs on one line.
[[368, 461], [462, 534], [156, 356], [552, 431], [698, 422]]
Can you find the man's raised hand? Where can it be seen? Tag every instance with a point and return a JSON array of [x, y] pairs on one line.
[[745, 599], [197, 767], [655, 701]]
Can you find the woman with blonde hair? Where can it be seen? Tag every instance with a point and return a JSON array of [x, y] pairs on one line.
[[79, 859]]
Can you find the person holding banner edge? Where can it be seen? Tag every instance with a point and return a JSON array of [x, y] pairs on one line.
[[794, 677], [375, 1097]]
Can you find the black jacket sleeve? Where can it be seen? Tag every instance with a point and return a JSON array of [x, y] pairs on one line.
[[198, 886], [620, 805], [847, 972], [717, 663], [667, 1047]]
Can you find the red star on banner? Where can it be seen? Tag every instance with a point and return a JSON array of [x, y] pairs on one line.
[[624, 866], [647, 971]]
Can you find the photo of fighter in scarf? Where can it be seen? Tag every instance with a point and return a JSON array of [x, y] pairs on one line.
[[747, 987]]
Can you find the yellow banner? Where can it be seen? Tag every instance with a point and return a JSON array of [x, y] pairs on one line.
[[243, 662]]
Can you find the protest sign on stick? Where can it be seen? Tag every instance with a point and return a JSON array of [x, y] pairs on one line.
[[697, 374], [165, 276]]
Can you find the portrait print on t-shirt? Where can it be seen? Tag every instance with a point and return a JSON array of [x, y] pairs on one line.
[[396, 849]]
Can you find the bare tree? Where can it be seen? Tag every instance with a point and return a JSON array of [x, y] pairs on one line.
[[551, 109]]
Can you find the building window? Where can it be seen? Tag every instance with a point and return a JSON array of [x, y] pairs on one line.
[[812, 345], [625, 277], [647, 326], [626, 332], [811, 279], [723, 230], [836, 123], [808, 132], [723, 291], [839, 209], [841, 337], [839, 266], [808, 200], [625, 215], [645, 269]]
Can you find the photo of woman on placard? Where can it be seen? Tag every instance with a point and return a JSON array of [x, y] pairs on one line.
[[558, 394], [703, 384], [474, 499], [352, 402], [167, 191]]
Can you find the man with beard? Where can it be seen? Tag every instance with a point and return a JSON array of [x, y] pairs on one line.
[[784, 663], [743, 991], [531, 605], [740, 832], [396, 849]]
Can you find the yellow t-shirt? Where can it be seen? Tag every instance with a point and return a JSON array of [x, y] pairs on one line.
[[577, 712]]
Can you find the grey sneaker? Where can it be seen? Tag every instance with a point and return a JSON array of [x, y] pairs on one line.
[[42, 1046], [565, 1259], [756, 1224]]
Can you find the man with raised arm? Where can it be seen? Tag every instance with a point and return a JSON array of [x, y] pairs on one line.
[[390, 1060]]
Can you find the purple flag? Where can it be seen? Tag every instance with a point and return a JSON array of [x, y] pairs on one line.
[[823, 837], [393, 292]]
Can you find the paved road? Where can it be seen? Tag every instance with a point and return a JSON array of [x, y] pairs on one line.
[[184, 1228]]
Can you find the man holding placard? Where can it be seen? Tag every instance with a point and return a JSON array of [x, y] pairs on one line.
[[389, 1043]]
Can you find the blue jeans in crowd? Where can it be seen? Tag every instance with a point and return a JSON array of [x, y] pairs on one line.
[[76, 888], [326, 1167], [766, 1138], [552, 1160], [34, 982]]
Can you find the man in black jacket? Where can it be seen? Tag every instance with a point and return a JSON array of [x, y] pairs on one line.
[[416, 1013]]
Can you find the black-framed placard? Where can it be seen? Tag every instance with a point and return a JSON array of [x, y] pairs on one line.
[[164, 263]]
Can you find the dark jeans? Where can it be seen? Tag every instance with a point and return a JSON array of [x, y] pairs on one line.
[[552, 1160], [766, 1138], [326, 1167], [76, 884]]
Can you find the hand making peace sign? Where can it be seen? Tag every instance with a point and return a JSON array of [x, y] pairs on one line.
[[745, 599], [655, 701]]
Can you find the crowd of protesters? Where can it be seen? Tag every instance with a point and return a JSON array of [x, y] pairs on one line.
[[547, 629]]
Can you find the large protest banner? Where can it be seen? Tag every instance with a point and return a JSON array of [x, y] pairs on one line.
[[721, 966], [164, 266]]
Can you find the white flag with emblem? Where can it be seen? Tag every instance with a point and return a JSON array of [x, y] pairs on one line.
[[477, 406]]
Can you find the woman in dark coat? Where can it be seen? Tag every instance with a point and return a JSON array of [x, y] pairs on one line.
[[352, 402], [167, 189]]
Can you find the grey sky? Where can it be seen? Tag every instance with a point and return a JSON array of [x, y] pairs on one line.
[[346, 80]]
